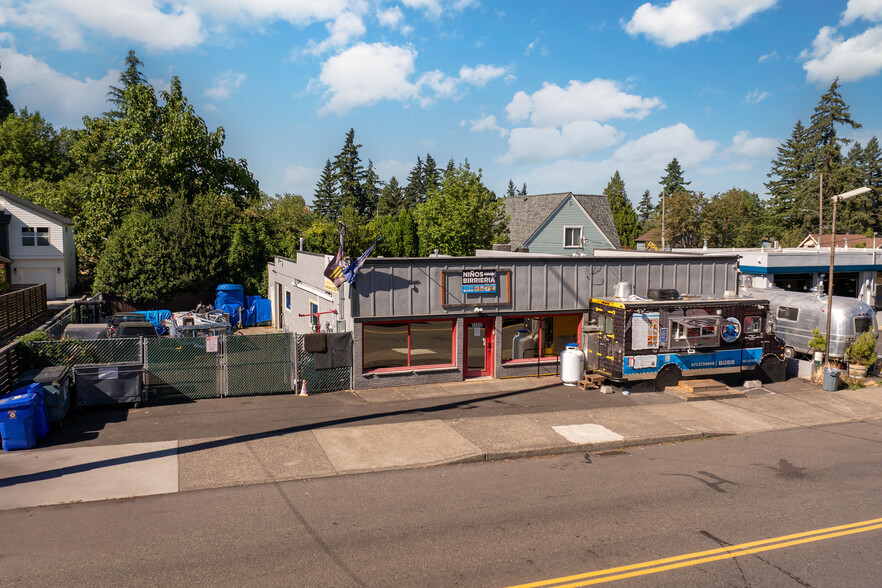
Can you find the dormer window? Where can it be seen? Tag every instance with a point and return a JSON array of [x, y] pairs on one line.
[[35, 236]]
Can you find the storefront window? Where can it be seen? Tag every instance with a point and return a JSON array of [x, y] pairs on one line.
[[408, 344], [545, 336]]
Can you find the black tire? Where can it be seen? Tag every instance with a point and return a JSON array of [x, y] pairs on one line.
[[667, 376], [771, 369]]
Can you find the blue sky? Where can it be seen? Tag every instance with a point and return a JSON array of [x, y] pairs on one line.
[[556, 94]]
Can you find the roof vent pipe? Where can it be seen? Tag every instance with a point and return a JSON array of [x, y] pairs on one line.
[[624, 290], [301, 243]]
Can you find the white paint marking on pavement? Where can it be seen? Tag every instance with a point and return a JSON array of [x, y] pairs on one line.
[[588, 433]]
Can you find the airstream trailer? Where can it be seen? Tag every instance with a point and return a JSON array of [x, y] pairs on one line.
[[796, 314], [666, 337]]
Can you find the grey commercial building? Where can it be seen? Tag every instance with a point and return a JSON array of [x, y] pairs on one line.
[[494, 315]]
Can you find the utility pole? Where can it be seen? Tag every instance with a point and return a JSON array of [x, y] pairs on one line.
[[663, 220], [821, 208]]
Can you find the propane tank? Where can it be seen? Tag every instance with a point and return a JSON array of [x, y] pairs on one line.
[[521, 343], [572, 364]]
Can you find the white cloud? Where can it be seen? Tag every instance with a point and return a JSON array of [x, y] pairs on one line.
[[58, 97], [157, 25], [341, 31], [366, 74], [597, 100], [870, 10], [850, 59], [487, 124], [391, 17], [756, 96], [682, 21], [575, 139], [388, 168], [480, 74], [743, 145], [768, 56], [641, 163], [225, 84]]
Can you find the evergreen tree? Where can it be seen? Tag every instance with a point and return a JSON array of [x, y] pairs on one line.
[[349, 174], [370, 192], [830, 111], [859, 215], [131, 76], [324, 199], [792, 197], [673, 180], [623, 213], [415, 192], [511, 192], [524, 189], [431, 177], [391, 198], [645, 208], [6, 107]]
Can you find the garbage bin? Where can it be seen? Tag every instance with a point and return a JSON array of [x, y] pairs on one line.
[[17, 428], [831, 379], [107, 383], [55, 381]]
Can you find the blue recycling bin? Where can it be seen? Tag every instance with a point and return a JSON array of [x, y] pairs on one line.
[[17, 422]]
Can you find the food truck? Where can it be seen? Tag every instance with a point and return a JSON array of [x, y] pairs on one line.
[[666, 337]]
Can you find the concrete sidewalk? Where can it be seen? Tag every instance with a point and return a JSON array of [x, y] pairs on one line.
[[55, 475]]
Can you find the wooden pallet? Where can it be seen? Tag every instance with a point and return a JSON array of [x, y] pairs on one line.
[[591, 381], [690, 390]]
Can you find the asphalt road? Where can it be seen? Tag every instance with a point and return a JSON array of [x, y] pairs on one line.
[[491, 524]]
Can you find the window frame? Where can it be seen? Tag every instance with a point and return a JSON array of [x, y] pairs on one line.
[[780, 317], [287, 299], [313, 316], [409, 367], [540, 341], [566, 230]]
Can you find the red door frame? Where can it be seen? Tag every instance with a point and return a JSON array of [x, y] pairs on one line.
[[489, 356]]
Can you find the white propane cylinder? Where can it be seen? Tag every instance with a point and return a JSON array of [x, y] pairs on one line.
[[572, 364], [521, 343]]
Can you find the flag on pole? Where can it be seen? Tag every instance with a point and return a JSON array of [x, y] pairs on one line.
[[334, 271], [351, 271]]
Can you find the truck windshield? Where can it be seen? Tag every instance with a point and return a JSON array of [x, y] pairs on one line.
[[862, 324]]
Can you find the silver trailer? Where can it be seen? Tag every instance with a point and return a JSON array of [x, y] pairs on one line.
[[796, 314]]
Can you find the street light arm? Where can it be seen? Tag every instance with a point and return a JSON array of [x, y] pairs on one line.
[[849, 194]]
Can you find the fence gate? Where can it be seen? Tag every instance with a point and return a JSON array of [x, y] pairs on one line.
[[181, 369], [319, 380], [259, 364]]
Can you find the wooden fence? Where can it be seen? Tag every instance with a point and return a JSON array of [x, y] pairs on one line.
[[21, 305]]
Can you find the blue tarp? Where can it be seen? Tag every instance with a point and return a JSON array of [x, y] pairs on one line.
[[258, 310], [229, 298], [155, 318]]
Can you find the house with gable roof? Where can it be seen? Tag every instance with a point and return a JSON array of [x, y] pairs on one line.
[[39, 245], [563, 223]]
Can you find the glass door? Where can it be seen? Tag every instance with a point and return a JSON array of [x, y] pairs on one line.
[[478, 354]]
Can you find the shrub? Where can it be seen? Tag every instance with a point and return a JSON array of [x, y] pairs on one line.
[[863, 350]]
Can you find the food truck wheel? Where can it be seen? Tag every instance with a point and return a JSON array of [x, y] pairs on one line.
[[772, 369], [667, 376]]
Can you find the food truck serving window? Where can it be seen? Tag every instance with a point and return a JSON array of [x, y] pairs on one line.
[[407, 344], [694, 331]]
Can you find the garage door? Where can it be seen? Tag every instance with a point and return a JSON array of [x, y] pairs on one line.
[[39, 275]]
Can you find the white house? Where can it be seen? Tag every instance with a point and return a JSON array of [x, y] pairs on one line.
[[40, 244]]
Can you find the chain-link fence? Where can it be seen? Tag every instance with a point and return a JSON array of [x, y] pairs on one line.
[[261, 364], [181, 369], [40, 354], [186, 369], [319, 380]]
